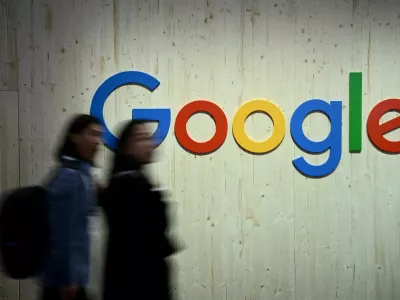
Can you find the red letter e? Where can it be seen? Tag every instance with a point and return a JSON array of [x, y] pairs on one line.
[[377, 131]]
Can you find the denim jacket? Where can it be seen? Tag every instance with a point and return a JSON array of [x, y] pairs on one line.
[[70, 200]]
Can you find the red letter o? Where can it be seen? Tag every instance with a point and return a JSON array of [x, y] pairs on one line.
[[221, 127]]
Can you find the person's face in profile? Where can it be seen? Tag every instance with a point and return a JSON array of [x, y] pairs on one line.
[[141, 145], [88, 141]]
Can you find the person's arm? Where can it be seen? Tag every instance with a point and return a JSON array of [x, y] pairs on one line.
[[127, 210], [122, 199], [64, 197], [149, 216]]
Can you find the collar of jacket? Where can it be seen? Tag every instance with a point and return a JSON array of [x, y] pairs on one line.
[[81, 165], [125, 163]]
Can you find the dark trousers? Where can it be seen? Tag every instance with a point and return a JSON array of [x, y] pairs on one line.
[[50, 293]]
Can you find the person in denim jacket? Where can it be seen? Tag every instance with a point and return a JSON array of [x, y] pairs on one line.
[[70, 200]]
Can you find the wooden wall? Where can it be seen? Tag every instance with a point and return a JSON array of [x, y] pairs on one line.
[[9, 118], [253, 226]]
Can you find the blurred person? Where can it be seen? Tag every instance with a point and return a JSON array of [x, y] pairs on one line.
[[135, 266], [71, 197]]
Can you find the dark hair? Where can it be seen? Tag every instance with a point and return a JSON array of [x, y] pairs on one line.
[[76, 126], [126, 134], [121, 160]]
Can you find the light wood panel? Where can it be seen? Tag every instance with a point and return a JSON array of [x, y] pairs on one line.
[[253, 226], [9, 168], [8, 46], [8, 60]]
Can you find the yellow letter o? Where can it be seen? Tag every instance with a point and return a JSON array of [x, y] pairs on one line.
[[277, 118]]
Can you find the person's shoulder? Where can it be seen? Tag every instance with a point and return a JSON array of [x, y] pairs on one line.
[[67, 173], [128, 176], [128, 179], [65, 179]]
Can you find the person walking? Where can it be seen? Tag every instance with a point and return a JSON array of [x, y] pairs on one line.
[[135, 266], [71, 197]]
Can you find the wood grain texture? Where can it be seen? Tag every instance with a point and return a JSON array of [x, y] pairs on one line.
[[8, 14], [8, 60], [253, 226], [8, 46], [9, 168]]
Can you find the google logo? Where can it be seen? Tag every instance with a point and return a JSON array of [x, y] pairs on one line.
[[333, 110]]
